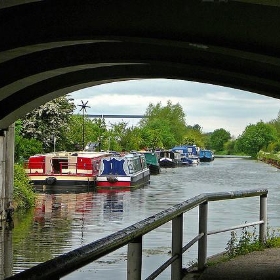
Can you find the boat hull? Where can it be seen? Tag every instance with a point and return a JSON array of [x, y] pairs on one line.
[[61, 180], [205, 159], [167, 163], [118, 182], [61, 183], [154, 169]]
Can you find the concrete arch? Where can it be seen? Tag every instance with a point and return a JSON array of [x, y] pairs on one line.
[[50, 48]]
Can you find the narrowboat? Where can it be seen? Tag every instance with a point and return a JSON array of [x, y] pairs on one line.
[[188, 153], [206, 156], [168, 158], [64, 169], [152, 162], [123, 171]]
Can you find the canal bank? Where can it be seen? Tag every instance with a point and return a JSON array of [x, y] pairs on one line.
[[256, 265], [232, 156]]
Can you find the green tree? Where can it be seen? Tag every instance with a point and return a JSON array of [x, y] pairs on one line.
[[153, 135], [24, 147], [218, 138], [117, 137], [274, 147], [49, 122], [194, 136], [229, 147], [276, 124], [93, 130], [168, 122], [256, 137], [132, 139]]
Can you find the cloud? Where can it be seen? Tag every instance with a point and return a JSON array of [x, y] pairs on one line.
[[210, 106]]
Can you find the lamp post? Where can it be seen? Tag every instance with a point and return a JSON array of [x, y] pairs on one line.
[[84, 108]]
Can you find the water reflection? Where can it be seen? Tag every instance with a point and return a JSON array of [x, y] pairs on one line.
[[113, 206], [6, 252], [49, 206]]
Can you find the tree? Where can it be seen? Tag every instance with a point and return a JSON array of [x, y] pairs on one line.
[[194, 136], [93, 130], [276, 123], [167, 121], [229, 147], [218, 138], [24, 147], [256, 137], [49, 122], [132, 139]]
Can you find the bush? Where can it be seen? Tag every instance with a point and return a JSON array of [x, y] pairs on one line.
[[23, 195], [249, 242]]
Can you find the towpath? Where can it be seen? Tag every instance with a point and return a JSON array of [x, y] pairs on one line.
[[259, 265]]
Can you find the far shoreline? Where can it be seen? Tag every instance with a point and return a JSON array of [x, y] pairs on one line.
[[231, 156]]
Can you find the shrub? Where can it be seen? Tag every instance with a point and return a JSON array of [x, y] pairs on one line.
[[23, 195], [249, 242]]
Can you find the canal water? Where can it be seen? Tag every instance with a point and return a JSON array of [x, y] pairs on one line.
[[63, 222]]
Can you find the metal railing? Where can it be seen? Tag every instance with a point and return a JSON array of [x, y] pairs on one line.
[[132, 236]]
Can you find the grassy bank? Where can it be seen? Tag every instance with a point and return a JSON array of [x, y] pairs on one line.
[[23, 194], [269, 158], [244, 243]]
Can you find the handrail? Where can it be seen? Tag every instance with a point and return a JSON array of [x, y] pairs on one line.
[[65, 264]]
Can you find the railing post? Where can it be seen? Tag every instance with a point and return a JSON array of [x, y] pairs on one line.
[[177, 240], [263, 217], [202, 242], [134, 259]]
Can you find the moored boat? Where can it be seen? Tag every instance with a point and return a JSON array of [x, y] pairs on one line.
[[127, 171], [188, 153], [168, 158], [64, 169], [152, 162], [206, 156]]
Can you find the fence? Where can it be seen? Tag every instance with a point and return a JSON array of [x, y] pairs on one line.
[[133, 235]]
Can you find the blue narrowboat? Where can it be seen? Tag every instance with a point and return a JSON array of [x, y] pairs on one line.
[[123, 171], [206, 156], [189, 154]]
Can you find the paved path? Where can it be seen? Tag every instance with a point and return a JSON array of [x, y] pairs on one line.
[[260, 265]]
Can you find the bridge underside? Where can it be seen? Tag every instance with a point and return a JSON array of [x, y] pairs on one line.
[[50, 48]]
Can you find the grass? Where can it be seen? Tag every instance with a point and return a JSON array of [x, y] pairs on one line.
[[249, 242], [245, 243]]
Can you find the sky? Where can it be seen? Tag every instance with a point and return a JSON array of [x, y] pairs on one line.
[[210, 106]]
